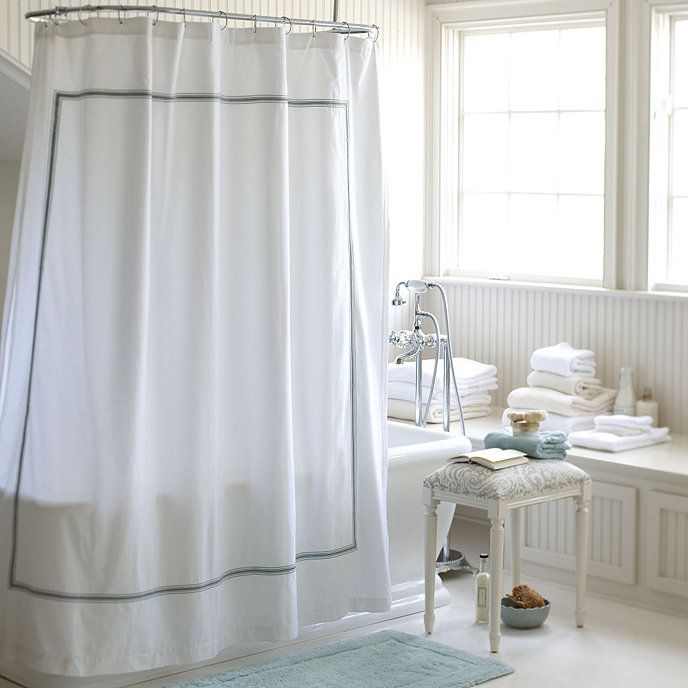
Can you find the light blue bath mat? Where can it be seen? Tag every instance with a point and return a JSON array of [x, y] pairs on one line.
[[384, 660]]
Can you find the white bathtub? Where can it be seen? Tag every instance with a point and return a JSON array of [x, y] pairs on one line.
[[414, 453]]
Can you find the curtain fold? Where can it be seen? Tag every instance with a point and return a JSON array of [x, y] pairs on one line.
[[193, 351]]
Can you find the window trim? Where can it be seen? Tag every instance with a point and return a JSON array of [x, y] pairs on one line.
[[661, 27], [445, 26]]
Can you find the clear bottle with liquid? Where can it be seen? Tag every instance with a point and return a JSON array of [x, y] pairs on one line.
[[625, 399], [482, 591], [647, 406]]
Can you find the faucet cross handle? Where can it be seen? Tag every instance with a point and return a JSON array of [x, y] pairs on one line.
[[401, 339]]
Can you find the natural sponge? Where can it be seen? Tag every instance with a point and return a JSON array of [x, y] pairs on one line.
[[524, 597]]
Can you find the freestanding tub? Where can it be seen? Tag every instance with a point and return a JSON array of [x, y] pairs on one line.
[[414, 453]]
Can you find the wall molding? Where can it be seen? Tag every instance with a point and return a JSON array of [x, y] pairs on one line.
[[14, 70]]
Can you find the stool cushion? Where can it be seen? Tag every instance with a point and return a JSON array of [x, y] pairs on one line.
[[538, 476]]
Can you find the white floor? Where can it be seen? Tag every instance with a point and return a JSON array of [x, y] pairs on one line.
[[620, 647]]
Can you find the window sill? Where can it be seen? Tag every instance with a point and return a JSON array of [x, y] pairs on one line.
[[680, 296]]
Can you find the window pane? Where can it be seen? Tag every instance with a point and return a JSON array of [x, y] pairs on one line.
[[529, 244], [533, 153], [533, 134], [679, 154], [485, 149], [581, 153], [486, 73], [580, 237], [534, 70], [680, 64], [582, 69], [484, 225], [678, 243]]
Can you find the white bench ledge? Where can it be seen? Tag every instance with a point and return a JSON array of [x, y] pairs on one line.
[[666, 461]]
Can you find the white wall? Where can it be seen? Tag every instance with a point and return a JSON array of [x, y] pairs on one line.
[[9, 179]]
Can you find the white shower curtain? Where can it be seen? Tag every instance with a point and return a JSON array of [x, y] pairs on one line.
[[191, 405]]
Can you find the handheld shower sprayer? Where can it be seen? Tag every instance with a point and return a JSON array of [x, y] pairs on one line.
[[418, 341]]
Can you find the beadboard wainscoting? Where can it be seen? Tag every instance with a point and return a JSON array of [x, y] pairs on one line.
[[503, 323], [549, 533]]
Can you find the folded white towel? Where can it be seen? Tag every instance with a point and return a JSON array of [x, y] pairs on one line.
[[556, 402], [623, 421], [407, 391], [468, 400], [406, 410], [606, 441], [555, 421], [627, 426], [563, 359], [468, 372], [586, 387]]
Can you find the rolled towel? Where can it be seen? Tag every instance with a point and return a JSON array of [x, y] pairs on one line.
[[563, 359], [606, 441], [555, 421], [468, 372], [406, 410], [564, 404], [407, 391], [544, 445], [586, 387]]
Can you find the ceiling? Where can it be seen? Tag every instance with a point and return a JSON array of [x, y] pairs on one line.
[[14, 106]]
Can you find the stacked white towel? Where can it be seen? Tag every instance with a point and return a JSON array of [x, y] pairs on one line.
[[564, 404], [576, 385], [555, 421], [563, 383], [475, 381], [620, 433], [563, 359]]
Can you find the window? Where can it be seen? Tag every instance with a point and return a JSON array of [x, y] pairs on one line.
[[523, 101], [669, 154], [532, 152]]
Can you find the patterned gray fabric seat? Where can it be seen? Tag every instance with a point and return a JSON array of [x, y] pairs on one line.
[[538, 476]]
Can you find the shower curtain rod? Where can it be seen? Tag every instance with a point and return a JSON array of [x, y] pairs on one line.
[[57, 13]]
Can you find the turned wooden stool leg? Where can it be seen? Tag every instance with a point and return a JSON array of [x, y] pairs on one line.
[[515, 516], [582, 510], [496, 565], [430, 559]]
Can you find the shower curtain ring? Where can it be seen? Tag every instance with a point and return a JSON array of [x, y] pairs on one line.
[[78, 16], [377, 33], [313, 29], [255, 23], [224, 14], [184, 15], [119, 15], [348, 31], [157, 14], [286, 19]]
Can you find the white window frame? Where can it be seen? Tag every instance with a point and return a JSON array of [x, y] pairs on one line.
[[446, 22], [662, 21]]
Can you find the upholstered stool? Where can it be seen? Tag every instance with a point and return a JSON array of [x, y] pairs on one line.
[[539, 480]]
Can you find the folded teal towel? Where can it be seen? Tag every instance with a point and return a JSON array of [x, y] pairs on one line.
[[544, 445]]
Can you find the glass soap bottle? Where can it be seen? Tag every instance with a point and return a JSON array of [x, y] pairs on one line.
[[482, 591], [625, 399], [647, 406]]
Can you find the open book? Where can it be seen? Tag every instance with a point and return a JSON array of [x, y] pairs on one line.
[[493, 458]]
